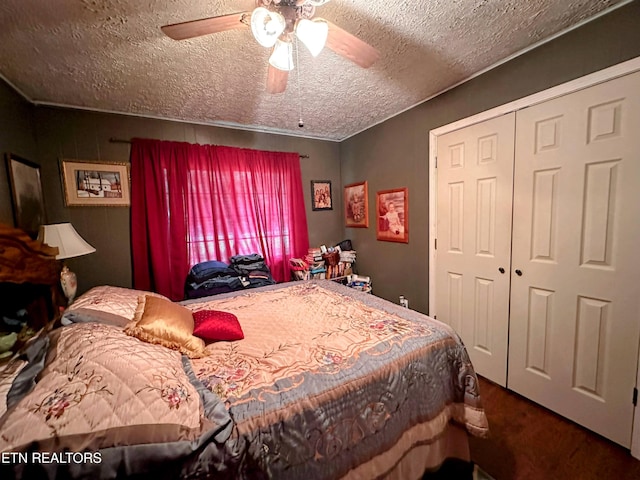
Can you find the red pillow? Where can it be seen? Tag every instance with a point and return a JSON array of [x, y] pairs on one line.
[[214, 325]]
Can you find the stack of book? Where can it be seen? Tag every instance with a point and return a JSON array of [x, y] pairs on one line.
[[348, 256], [335, 271], [347, 259], [316, 263], [314, 255], [317, 270]]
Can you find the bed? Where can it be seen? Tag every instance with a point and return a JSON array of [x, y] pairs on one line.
[[328, 382]]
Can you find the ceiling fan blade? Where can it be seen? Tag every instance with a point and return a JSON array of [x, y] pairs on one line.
[[205, 26], [276, 80], [351, 47]]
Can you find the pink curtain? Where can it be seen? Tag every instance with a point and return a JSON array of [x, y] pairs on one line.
[[191, 203]]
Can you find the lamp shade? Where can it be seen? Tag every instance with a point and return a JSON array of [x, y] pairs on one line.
[[267, 26], [313, 33], [282, 56], [66, 238]]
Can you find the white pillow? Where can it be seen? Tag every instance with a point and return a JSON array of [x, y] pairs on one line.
[[104, 304]]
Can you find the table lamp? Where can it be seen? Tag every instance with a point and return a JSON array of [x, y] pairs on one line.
[[70, 244]]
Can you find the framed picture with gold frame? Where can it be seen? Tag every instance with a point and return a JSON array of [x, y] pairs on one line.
[[392, 212], [88, 183], [356, 205], [321, 195], [26, 193]]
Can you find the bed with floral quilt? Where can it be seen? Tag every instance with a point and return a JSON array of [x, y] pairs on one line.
[[324, 382]]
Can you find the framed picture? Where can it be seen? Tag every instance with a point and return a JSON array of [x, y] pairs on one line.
[[95, 183], [392, 207], [321, 195], [26, 192], [356, 205]]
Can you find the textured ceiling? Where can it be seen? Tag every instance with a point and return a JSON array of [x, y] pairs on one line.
[[110, 55]]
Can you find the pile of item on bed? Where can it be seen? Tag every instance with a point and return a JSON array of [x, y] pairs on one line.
[[214, 277]]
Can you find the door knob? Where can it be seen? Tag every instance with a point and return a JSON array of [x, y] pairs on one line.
[[501, 270], [519, 273]]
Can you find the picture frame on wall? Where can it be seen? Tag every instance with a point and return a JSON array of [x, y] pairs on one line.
[[321, 197], [392, 211], [356, 205], [89, 183], [26, 194]]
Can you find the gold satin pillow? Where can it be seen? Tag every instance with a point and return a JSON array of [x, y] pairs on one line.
[[165, 323]]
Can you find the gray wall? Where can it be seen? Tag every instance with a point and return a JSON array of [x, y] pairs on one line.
[[17, 136], [391, 155], [81, 135], [396, 152]]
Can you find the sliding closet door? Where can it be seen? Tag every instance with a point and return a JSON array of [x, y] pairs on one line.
[[475, 183], [575, 289]]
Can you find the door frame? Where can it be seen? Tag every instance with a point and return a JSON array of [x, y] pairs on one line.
[[589, 80]]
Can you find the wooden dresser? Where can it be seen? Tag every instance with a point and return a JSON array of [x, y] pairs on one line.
[[29, 284]]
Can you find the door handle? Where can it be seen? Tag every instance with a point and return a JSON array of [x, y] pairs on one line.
[[519, 273], [501, 270]]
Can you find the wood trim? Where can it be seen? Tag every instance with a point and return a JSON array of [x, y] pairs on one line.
[[23, 260], [29, 279]]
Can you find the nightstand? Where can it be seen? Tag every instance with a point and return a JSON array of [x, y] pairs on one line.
[[29, 284]]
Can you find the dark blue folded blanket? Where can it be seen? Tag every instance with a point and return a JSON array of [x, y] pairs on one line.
[[246, 259], [233, 282], [204, 271], [246, 269]]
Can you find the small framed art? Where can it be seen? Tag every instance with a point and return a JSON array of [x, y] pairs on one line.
[[321, 195], [356, 205], [95, 183], [392, 207], [26, 194]]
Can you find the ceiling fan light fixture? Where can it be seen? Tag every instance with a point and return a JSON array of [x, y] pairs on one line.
[[282, 56], [313, 33], [267, 26]]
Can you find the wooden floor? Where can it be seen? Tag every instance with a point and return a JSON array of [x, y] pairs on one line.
[[528, 442]]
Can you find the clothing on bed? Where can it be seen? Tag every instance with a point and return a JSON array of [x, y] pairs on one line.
[[210, 278], [204, 271], [254, 268], [214, 277]]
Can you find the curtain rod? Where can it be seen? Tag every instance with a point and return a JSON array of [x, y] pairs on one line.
[[120, 140]]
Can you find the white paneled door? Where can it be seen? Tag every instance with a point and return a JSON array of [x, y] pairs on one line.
[[475, 185], [575, 276]]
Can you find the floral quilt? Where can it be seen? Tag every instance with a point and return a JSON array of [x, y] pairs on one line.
[[327, 383]]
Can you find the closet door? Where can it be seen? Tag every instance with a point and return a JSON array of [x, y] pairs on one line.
[[475, 183], [575, 289]]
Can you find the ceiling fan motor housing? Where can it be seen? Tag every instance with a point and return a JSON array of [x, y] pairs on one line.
[[274, 24], [291, 10]]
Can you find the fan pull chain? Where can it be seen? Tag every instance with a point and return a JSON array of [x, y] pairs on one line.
[[300, 122]]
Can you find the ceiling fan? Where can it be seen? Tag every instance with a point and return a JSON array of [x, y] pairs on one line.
[[276, 24]]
